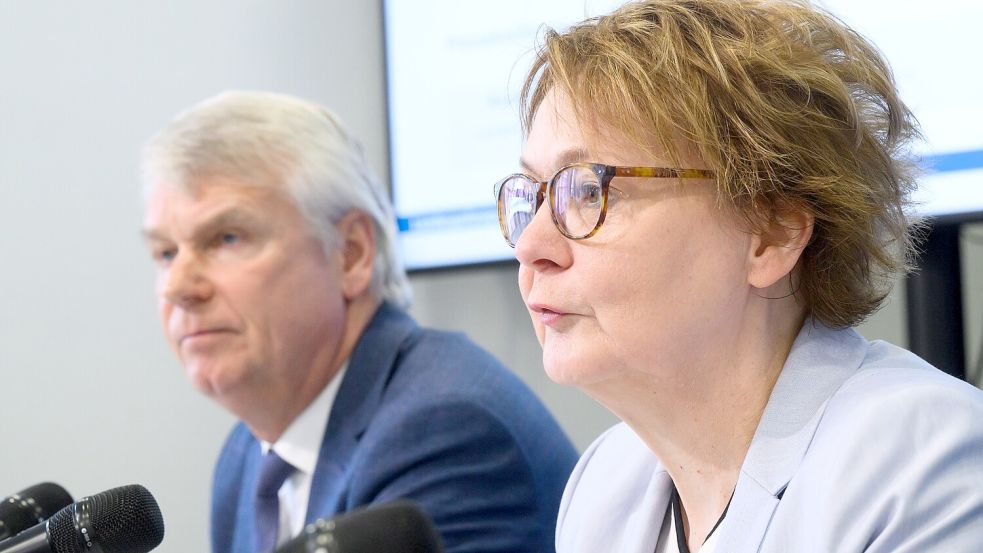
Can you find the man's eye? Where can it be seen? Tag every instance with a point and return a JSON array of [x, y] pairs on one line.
[[229, 238], [164, 255]]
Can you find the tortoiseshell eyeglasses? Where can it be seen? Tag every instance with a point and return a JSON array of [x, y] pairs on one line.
[[577, 196]]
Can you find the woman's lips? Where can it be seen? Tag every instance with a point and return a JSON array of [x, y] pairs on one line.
[[549, 315], [551, 318]]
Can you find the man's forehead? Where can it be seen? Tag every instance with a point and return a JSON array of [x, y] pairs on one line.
[[188, 208]]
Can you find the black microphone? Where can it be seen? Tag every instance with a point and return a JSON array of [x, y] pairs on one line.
[[30, 506], [121, 520], [395, 527]]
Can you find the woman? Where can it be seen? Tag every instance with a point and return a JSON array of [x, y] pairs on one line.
[[725, 189]]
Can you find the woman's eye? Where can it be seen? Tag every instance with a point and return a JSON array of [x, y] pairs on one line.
[[590, 193]]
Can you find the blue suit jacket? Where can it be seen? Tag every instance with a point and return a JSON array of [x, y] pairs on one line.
[[428, 416]]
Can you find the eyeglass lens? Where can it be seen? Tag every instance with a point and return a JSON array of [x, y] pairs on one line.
[[576, 199], [517, 206]]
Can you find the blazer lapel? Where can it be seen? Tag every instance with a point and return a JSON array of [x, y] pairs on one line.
[[369, 370], [747, 518], [641, 530], [820, 361]]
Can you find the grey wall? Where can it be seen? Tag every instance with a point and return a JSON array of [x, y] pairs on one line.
[[89, 395]]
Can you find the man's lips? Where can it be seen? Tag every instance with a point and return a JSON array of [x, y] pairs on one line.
[[199, 335]]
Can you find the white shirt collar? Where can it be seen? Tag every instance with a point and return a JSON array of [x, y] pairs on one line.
[[300, 443]]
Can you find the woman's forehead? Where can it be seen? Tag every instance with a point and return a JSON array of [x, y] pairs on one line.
[[558, 138]]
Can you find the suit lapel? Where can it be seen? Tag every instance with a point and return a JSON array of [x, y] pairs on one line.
[[244, 538], [820, 361], [369, 370]]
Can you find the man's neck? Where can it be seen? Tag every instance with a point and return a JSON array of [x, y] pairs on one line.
[[281, 409]]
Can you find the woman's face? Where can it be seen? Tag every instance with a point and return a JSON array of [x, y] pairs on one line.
[[659, 290]]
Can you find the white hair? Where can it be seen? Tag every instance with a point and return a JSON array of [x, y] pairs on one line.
[[274, 140]]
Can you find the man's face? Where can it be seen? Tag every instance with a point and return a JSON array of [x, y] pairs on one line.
[[248, 298]]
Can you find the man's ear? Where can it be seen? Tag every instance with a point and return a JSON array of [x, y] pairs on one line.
[[356, 245], [774, 251]]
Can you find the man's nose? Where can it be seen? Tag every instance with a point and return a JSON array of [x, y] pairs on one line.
[[185, 282]]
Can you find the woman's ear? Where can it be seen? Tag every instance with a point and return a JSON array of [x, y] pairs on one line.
[[356, 241], [774, 251]]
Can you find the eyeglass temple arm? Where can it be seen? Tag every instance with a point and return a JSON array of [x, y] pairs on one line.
[[662, 172]]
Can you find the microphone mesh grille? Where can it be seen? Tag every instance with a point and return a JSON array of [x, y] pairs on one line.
[[61, 533], [123, 520]]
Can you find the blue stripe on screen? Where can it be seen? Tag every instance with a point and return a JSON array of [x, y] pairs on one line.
[[956, 161]]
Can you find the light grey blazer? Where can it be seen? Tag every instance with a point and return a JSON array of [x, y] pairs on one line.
[[863, 446]]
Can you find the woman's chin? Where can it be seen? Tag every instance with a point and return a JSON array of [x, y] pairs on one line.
[[571, 372], [561, 376]]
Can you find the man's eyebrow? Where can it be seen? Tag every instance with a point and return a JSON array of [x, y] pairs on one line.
[[228, 217], [151, 233], [566, 157]]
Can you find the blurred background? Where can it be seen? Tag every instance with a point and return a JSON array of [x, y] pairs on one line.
[[90, 396]]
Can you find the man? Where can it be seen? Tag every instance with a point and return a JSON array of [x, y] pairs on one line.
[[281, 293]]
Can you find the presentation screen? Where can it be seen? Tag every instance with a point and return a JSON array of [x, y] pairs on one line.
[[454, 71]]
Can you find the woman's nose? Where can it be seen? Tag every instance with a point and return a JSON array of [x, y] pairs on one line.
[[541, 245]]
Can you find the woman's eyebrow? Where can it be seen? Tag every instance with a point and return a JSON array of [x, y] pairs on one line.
[[566, 157]]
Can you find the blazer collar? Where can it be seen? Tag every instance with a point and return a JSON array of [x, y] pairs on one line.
[[369, 370], [820, 360]]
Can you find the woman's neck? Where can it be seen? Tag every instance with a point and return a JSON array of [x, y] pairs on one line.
[[699, 420]]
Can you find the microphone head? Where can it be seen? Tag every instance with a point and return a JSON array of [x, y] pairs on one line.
[[121, 520], [395, 527], [31, 506]]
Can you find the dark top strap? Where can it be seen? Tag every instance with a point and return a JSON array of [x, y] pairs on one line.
[[677, 515]]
